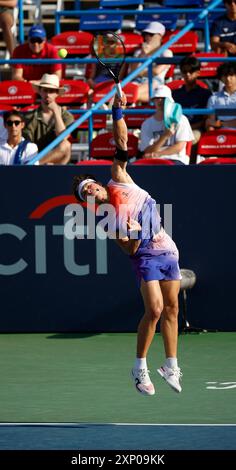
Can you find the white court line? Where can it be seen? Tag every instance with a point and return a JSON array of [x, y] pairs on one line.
[[112, 424]]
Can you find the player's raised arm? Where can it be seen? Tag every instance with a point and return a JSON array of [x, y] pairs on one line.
[[120, 132]]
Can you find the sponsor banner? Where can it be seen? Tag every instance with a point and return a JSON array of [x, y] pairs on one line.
[[50, 282]]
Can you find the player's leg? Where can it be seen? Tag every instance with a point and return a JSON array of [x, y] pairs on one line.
[[153, 303], [60, 155], [6, 23], [169, 329], [143, 93]]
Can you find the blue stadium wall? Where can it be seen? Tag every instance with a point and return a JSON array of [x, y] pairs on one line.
[[89, 286]]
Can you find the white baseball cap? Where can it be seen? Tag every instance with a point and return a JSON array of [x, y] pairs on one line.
[[155, 28], [162, 91]]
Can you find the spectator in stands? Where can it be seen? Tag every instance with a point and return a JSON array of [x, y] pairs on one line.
[[225, 99], [49, 120], [192, 95], [37, 47], [159, 142], [223, 31], [152, 35], [6, 23], [16, 150]]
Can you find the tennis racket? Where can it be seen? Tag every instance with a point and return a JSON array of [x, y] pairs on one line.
[[110, 46]]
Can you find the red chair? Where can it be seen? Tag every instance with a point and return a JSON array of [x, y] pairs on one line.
[[75, 42], [14, 93], [219, 161], [99, 122], [186, 44], [5, 107], [208, 69], [132, 41], [153, 161], [94, 162], [76, 92], [217, 143], [170, 72], [189, 147], [101, 90], [103, 146], [175, 84], [134, 121]]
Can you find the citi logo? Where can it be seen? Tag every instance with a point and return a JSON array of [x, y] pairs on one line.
[[30, 246]]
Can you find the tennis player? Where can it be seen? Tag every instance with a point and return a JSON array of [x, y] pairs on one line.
[[152, 252]]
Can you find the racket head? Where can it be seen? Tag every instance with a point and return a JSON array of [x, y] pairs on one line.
[[110, 46]]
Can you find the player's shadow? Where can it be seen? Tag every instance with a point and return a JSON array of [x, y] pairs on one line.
[[72, 335]]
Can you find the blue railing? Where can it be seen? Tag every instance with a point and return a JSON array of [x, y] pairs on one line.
[[146, 64], [150, 11], [130, 77]]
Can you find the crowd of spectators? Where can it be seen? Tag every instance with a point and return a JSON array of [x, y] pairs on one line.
[[49, 119]]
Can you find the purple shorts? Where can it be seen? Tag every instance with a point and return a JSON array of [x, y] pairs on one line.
[[159, 267]]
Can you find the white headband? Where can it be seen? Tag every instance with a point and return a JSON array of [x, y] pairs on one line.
[[81, 185]]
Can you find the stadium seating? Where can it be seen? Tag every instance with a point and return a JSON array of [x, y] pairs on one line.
[[13, 93], [186, 44], [175, 84], [134, 121], [169, 21], [5, 107], [99, 122], [219, 161], [94, 162], [120, 3], [100, 22], [208, 69], [220, 143], [153, 161], [132, 41], [183, 3], [199, 24], [75, 42], [76, 92], [103, 146], [101, 90]]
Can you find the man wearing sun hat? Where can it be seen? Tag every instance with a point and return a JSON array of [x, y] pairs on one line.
[[49, 120], [152, 36], [37, 47], [166, 133]]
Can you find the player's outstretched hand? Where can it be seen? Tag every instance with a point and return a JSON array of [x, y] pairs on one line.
[[133, 225], [120, 102]]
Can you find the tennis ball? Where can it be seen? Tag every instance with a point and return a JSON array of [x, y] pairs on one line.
[[62, 53]]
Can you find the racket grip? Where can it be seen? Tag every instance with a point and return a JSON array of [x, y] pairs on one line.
[[119, 90]]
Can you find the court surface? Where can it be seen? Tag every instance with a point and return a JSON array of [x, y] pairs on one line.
[[73, 391]]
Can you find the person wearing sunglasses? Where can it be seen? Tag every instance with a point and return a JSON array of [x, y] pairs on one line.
[[16, 150], [223, 31], [37, 47]]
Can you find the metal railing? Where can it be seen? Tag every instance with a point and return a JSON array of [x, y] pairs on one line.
[[151, 11], [148, 62], [202, 14]]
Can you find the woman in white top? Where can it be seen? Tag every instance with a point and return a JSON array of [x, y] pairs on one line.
[[153, 35]]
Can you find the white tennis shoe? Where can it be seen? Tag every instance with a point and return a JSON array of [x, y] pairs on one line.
[[172, 377], [142, 381]]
